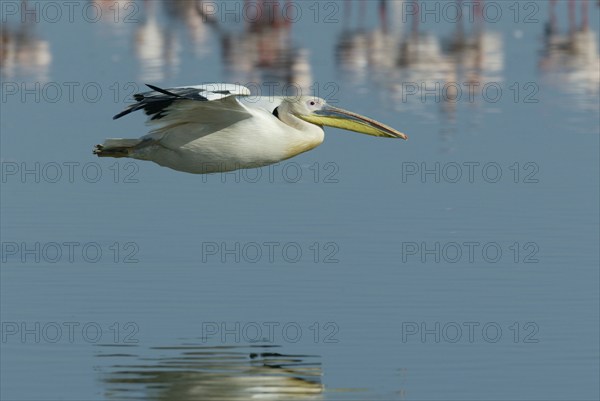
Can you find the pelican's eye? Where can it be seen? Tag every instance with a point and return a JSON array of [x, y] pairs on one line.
[[313, 103]]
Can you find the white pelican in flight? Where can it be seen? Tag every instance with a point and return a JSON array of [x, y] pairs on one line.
[[218, 127]]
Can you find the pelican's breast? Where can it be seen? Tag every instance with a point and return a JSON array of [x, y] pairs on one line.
[[301, 146]]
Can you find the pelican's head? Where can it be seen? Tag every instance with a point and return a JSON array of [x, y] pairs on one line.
[[316, 111]]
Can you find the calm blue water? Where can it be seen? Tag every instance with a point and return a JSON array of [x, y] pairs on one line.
[[459, 265]]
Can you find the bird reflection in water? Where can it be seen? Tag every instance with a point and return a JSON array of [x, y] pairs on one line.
[[199, 372], [476, 57], [571, 60], [186, 14], [479, 53], [265, 51], [156, 47], [360, 51], [403, 54], [22, 53]]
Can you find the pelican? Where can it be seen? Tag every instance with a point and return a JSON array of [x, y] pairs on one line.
[[219, 127]]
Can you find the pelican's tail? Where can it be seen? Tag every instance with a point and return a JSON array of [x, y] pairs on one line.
[[116, 147]]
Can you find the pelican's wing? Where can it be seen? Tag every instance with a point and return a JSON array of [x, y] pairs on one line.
[[188, 103], [266, 103], [184, 114]]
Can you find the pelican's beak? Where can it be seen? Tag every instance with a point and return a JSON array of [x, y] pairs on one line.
[[344, 119]]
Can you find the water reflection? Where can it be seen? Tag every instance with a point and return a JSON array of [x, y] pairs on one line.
[[478, 53], [413, 66], [359, 50], [400, 55], [22, 52], [156, 47], [188, 14], [571, 60], [264, 50], [200, 372]]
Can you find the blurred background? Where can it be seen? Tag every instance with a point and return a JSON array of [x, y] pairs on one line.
[[460, 264]]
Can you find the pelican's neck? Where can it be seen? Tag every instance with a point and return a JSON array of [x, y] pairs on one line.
[[299, 124], [304, 135]]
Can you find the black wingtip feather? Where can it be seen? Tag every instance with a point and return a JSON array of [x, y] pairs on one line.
[[123, 113], [155, 103], [166, 92]]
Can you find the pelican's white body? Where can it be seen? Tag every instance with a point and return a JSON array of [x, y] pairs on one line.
[[255, 140]]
